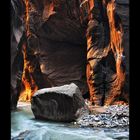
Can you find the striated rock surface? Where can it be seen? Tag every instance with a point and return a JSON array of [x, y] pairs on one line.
[[106, 63], [71, 41], [64, 103]]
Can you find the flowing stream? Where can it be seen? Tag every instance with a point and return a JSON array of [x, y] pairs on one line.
[[22, 120]]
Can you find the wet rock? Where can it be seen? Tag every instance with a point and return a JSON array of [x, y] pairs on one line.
[[64, 103], [22, 135], [38, 134]]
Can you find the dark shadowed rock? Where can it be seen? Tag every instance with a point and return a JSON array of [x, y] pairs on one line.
[[62, 52], [64, 103], [14, 99]]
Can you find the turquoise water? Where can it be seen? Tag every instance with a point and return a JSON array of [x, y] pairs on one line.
[[23, 119]]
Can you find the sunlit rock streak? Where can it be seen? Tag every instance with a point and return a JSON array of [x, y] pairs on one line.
[[116, 35], [27, 79], [97, 50]]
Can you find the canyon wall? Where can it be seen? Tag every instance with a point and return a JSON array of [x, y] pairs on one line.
[[57, 42]]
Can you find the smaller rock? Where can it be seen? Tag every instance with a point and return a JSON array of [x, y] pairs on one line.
[[113, 117]]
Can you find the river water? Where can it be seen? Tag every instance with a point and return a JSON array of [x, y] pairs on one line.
[[23, 120]]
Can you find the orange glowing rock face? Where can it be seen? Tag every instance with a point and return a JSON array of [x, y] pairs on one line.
[[48, 10], [86, 6], [27, 80], [89, 81], [29, 84], [91, 4], [115, 35], [27, 16], [116, 46], [116, 40]]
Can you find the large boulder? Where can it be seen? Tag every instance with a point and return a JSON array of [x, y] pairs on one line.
[[64, 103]]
